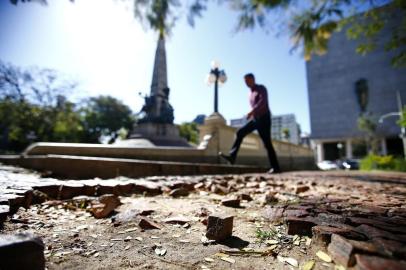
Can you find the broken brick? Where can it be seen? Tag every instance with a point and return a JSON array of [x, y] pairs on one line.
[[21, 251], [219, 227], [300, 226], [301, 189], [231, 202], [179, 192], [147, 224], [365, 262], [322, 234]]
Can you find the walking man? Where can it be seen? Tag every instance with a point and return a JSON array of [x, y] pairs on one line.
[[259, 119]]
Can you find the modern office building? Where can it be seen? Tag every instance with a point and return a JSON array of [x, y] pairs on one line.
[[344, 85], [284, 127]]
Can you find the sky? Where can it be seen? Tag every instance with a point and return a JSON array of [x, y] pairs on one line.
[[102, 46]]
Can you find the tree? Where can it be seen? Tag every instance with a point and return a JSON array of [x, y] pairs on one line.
[[367, 124], [104, 116], [190, 132], [33, 108], [309, 23]]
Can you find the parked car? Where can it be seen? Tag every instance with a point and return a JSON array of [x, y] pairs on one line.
[[350, 164], [327, 165]]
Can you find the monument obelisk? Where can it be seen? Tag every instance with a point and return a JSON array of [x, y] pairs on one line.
[[156, 124]]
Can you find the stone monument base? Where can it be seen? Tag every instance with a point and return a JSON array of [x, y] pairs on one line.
[[154, 134]]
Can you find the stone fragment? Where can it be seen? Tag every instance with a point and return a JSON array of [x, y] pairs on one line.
[[377, 224], [177, 220], [231, 202], [108, 203], [391, 248], [300, 226], [273, 213], [179, 192], [70, 190], [322, 234], [39, 197], [295, 213], [21, 251], [343, 250], [372, 232], [150, 188], [301, 189], [245, 197], [4, 211], [147, 224], [365, 262], [219, 227]]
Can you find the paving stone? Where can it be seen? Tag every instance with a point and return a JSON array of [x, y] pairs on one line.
[[179, 192], [4, 212], [51, 190], [21, 251], [365, 262], [391, 248], [322, 234], [378, 224], [372, 232], [328, 218], [219, 227], [343, 250], [300, 226], [147, 224], [69, 190], [14, 201]]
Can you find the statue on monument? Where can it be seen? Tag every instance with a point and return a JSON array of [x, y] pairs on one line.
[[157, 108]]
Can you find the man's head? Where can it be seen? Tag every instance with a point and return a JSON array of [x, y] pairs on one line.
[[249, 80]]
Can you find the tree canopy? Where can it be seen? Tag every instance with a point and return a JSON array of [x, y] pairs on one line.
[[309, 23]]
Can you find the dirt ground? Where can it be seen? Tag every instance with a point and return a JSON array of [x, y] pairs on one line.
[[74, 239]]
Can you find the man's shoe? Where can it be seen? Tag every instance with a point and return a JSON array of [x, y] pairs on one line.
[[229, 159], [273, 171]]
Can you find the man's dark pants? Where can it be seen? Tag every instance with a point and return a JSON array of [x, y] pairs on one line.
[[263, 125]]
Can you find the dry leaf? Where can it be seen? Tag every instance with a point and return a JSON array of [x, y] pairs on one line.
[[272, 242], [131, 230], [128, 238], [288, 260], [127, 247], [308, 265], [184, 241], [207, 259], [339, 267], [308, 241], [324, 256], [219, 254], [228, 259], [138, 239]]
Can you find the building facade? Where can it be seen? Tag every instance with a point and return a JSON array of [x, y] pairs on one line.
[[284, 127], [343, 86]]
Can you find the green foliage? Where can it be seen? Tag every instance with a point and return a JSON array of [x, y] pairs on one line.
[[368, 124], [105, 116], [402, 120], [263, 235], [190, 132], [33, 109], [386, 163]]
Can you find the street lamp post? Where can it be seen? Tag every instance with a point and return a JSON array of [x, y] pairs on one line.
[[216, 76], [400, 114]]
